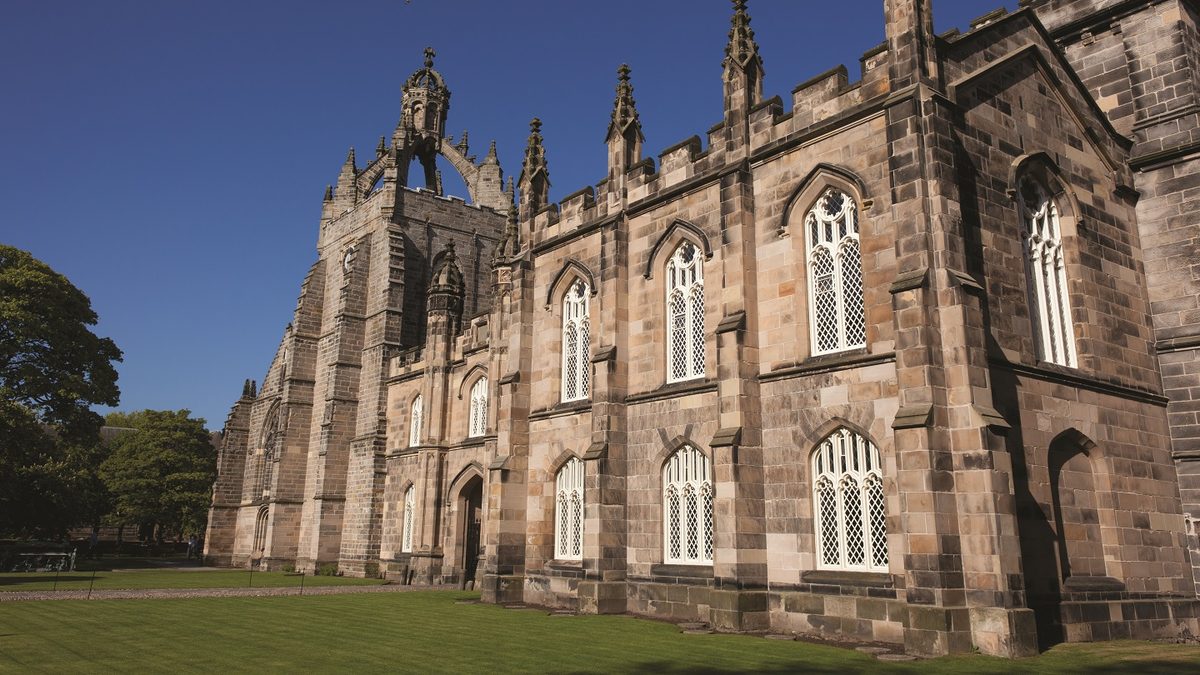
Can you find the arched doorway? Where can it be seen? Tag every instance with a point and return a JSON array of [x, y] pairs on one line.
[[471, 528]]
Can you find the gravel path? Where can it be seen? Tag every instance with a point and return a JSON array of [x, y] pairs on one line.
[[139, 594]]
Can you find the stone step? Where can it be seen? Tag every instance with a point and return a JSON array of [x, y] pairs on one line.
[[697, 631], [779, 636], [693, 625], [895, 657], [872, 650]]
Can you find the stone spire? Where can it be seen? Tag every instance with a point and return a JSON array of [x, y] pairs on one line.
[[381, 147], [625, 130], [534, 181], [491, 157], [743, 65], [624, 114], [741, 49]]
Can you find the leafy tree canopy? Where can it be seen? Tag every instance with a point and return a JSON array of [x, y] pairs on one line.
[[161, 473], [52, 370]]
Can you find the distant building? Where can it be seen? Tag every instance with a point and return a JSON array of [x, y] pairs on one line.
[[914, 359]]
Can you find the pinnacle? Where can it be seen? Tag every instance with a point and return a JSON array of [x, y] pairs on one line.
[[741, 48], [535, 126], [382, 147], [328, 193], [350, 158]]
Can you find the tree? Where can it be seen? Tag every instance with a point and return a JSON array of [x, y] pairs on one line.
[[161, 474], [52, 369]]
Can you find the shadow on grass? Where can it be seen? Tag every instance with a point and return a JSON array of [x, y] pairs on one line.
[[45, 578]]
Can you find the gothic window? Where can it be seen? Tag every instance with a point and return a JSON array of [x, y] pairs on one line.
[[416, 417], [835, 289], [568, 511], [576, 333], [685, 314], [1050, 305], [268, 469], [479, 408], [849, 505], [406, 536], [260, 531], [687, 509]]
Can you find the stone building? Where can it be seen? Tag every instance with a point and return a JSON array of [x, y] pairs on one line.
[[912, 359]]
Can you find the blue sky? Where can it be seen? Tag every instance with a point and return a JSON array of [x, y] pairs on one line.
[[169, 157]]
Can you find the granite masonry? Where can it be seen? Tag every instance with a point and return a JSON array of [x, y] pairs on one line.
[[913, 359]]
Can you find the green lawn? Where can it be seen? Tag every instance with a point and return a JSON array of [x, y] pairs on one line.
[[426, 631], [164, 578]]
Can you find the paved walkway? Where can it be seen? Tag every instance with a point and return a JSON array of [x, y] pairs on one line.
[[143, 593]]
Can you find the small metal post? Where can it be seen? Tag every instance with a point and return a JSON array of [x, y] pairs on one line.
[[251, 584], [93, 582], [301, 582], [55, 586]]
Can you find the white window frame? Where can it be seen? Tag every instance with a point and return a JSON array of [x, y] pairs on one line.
[[837, 322], [479, 408], [406, 534], [687, 508], [568, 511], [416, 417], [847, 471], [576, 344], [1045, 269], [685, 313]]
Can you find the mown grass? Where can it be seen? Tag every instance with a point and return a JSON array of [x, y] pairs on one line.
[[164, 578], [427, 631]]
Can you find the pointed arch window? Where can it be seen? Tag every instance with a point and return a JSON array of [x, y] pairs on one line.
[[479, 408], [1050, 300], [568, 511], [260, 530], [835, 288], [406, 535], [685, 314], [687, 508], [268, 468], [416, 417], [576, 368], [851, 513]]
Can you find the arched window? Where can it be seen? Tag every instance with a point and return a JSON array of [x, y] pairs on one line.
[[260, 531], [406, 537], [687, 508], [851, 514], [1050, 304], [268, 469], [416, 416], [479, 406], [835, 288], [576, 369], [568, 511], [685, 314]]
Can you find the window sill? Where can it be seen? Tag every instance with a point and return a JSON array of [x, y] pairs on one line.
[[848, 578], [566, 408], [826, 363], [565, 565], [682, 571], [1093, 584], [697, 386]]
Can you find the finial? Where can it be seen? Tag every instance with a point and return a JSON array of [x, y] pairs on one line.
[[382, 147], [535, 126], [429, 54], [624, 113], [350, 157], [741, 48], [623, 72], [246, 388], [328, 198]]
